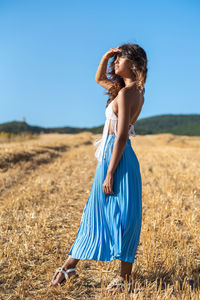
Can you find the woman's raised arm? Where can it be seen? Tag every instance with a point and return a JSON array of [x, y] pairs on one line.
[[101, 77]]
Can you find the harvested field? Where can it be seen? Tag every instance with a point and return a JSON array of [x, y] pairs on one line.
[[44, 186]]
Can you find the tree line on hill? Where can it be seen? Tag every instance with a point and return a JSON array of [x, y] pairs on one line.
[[175, 124]]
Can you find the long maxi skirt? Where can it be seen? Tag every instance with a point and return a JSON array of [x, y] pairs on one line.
[[111, 223]]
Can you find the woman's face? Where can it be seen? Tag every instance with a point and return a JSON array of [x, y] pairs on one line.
[[122, 65]]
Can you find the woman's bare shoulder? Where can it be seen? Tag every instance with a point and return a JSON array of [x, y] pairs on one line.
[[132, 96]]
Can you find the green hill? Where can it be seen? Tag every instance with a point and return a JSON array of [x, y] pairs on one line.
[[175, 124]]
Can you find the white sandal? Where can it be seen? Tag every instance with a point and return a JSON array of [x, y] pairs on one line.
[[118, 282], [60, 270]]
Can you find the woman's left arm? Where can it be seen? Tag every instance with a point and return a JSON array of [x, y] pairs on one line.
[[124, 107]]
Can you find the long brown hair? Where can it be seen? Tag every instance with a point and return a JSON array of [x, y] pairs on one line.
[[139, 58]]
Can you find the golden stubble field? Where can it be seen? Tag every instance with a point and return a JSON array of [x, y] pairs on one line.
[[44, 186]]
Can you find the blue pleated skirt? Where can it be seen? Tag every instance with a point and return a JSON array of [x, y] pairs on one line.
[[111, 223]]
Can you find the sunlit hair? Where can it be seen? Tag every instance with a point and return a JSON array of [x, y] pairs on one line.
[[139, 69]]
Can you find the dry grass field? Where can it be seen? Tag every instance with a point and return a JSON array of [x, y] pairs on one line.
[[44, 186]]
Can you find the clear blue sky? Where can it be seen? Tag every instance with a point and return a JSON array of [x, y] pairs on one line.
[[50, 51]]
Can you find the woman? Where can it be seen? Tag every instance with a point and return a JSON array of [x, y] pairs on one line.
[[111, 220]]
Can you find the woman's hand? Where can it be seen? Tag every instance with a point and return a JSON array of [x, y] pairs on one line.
[[108, 184], [112, 51]]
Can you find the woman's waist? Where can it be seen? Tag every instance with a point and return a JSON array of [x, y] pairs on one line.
[[113, 136]]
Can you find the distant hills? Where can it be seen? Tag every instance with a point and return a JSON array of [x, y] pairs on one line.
[[175, 124]]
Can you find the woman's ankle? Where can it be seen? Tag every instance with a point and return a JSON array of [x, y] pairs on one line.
[[66, 267], [70, 263], [125, 278]]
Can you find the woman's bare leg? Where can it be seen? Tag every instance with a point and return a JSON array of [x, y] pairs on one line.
[[68, 264], [126, 269]]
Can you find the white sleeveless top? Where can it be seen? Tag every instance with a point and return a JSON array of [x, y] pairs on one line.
[[110, 115]]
